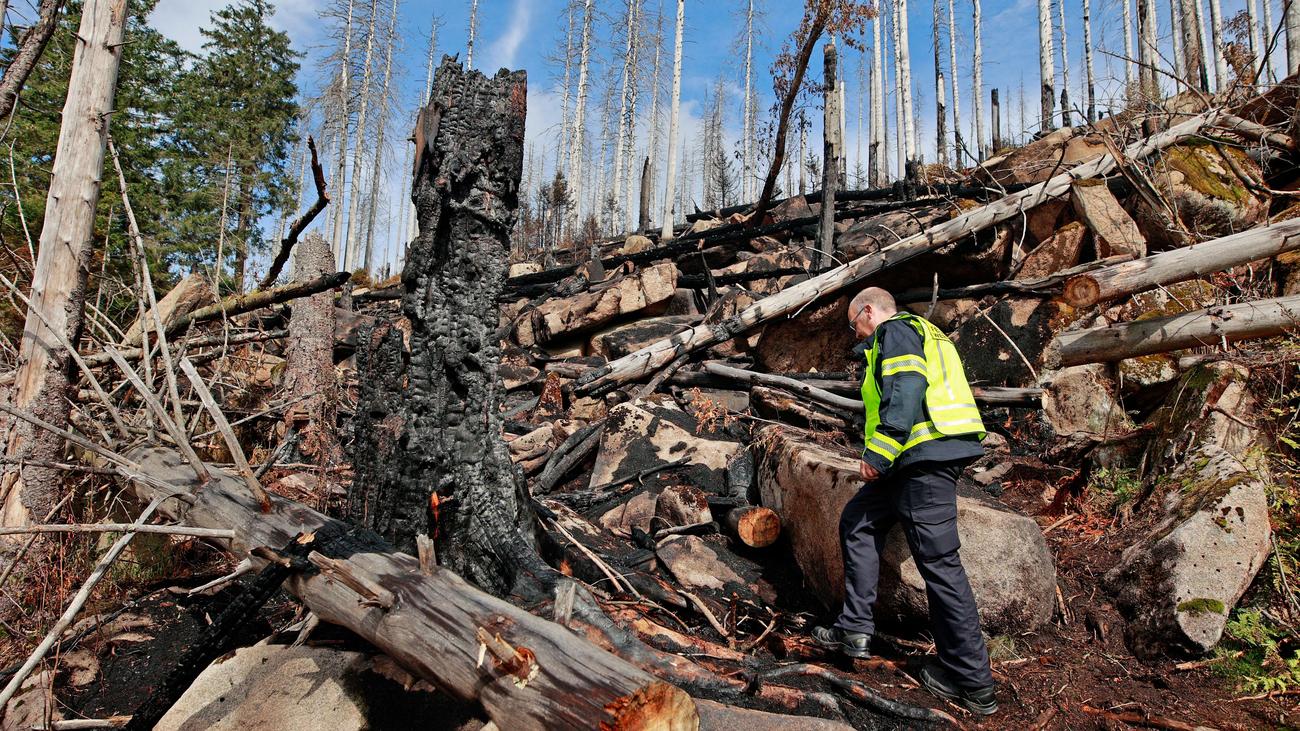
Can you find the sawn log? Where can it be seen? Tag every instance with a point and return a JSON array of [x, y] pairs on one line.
[[1203, 328], [1177, 265], [655, 356]]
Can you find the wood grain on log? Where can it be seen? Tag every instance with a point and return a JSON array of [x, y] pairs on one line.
[[1177, 265], [1202, 328], [652, 358], [753, 525]]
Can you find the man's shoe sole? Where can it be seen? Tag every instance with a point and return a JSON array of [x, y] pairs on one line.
[[968, 704]]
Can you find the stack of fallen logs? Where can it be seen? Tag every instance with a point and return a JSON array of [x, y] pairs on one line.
[[633, 383]]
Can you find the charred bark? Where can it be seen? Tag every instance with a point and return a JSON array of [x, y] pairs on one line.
[[448, 474]]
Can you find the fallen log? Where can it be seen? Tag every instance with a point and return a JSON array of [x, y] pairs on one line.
[[802, 388], [431, 629], [1045, 286], [239, 304], [1203, 328], [1189, 262], [653, 357]]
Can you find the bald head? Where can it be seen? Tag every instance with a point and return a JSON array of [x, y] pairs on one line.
[[869, 308]]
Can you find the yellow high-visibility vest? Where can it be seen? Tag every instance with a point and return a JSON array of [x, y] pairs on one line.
[[949, 406]]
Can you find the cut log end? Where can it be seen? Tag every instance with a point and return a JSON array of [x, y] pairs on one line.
[[656, 706], [1082, 291], [754, 526]]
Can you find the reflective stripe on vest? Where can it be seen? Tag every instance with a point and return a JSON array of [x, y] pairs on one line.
[[950, 408]]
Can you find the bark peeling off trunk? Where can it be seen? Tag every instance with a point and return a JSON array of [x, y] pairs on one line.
[[469, 159]]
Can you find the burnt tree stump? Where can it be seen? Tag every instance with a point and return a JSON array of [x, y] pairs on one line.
[[428, 452]]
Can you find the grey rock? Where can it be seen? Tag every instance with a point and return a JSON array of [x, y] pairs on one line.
[[1177, 585]]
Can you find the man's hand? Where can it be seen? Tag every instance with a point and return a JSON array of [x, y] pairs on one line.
[[867, 472]]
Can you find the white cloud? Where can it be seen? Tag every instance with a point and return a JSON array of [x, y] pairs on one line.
[[504, 50], [181, 20]]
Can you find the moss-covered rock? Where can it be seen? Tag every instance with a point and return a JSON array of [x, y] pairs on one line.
[[1204, 186], [1176, 585], [1210, 404]]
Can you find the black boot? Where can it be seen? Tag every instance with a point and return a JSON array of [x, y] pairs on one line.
[[982, 701], [856, 645]]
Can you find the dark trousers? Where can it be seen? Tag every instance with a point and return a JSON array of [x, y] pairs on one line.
[[923, 497]]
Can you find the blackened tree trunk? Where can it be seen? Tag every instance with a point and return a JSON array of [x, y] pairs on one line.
[[443, 470]]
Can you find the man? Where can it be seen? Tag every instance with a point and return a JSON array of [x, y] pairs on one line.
[[922, 430]]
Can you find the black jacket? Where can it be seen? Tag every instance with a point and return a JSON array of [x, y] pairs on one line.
[[902, 402]]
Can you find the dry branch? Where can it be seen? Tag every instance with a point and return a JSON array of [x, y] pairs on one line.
[[653, 357], [300, 223], [171, 530], [241, 303]]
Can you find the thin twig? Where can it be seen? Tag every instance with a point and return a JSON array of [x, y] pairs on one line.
[[78, 601]]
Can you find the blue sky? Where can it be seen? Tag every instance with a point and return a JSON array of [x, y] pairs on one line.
[[526, 34]]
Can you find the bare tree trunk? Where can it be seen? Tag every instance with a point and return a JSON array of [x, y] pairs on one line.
[[424, 99], [1129, 58], [958, 146], [879, 172], [43, 382], [1193, 54], [832, 146], [1147, 53], [1046, 64], [1216, 42], [997, 118], [309, 360], [654, 107], [977, 79], [629, 140], [1270, 75], [447, 424], [668, 220], [905, 64], [1230, 323], [580, 120], [1089, 78], [30, 47], [341, 158], [473, 30], [350, 244], [379, 140], [1252, 32], [1067, 116], [940, 105], [619, 212], [568, 85], [1176, 33], [747, 135], [900, 126]]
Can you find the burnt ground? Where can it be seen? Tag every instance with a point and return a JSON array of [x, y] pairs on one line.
[[1046, 678]]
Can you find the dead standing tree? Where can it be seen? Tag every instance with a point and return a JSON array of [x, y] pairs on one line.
[[442, 468], [43, 383]]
